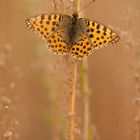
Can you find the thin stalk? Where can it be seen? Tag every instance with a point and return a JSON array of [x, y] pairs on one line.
[[84, 75], [54, 5], [137, 119], [77, 5], [86, 91], [73, 96], [69, 93]]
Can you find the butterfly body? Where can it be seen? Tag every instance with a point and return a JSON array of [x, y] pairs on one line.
[[72, 29], [66, 35]]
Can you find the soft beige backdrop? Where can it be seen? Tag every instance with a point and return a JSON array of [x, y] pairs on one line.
[[33, 81]]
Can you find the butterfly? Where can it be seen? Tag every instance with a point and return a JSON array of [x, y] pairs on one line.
[[72, 35]]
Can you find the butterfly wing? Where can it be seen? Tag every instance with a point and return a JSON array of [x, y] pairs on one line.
[[57, 43], [81, 48], [92, 35], [98, 34], [51, 28]]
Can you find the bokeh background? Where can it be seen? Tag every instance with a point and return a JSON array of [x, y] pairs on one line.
[[33, 81]]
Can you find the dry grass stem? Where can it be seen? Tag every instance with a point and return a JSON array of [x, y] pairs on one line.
[[54, 5], [84, 75], [73, 96]]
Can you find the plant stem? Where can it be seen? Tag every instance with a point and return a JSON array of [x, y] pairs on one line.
[[73, 95], [54, 5], [77, 5], [73, 113], [86, 91]]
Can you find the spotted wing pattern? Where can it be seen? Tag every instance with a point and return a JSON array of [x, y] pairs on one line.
[[82, 48], [57, 43], [51, 28], [98, 34]]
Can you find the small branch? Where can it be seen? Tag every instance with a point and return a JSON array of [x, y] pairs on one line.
[[54, 5], [62, 2]]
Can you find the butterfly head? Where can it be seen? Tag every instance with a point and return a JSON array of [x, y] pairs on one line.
[[74, 17]]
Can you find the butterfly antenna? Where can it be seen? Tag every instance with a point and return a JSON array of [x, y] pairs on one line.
[[86, 5]]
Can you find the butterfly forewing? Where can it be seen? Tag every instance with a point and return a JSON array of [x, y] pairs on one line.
[[46, 25], [51, 28], [98, 34]]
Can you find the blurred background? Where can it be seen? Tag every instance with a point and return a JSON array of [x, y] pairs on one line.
[[33, 81]]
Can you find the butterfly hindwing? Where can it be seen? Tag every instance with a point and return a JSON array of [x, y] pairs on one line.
[[57, 43], [82, 47], [98, 34]]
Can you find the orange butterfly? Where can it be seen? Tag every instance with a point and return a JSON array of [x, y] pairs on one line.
[[71, 35]]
